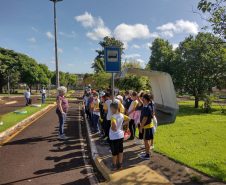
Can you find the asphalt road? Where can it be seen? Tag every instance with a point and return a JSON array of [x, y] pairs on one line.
[[21, 103], [37, 156]]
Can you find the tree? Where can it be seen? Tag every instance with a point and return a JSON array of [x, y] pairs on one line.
[[217, 16], [133, 81], [62, 78], [161, 55], [198, 66], [107, 42], [72, 79]]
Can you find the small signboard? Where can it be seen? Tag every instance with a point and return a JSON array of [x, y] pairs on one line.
[[112, 58]]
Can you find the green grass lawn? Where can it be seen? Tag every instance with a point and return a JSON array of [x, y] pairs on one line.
[[50, 102], [193, 103], [11, 119], [196, 139]]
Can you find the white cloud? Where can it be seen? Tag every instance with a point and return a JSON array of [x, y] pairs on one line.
[[61, 33], [140, 60], [147, 45], [126, 45], [27, 54], [99, 33], [6, 48], [70, 64], [86, 19], [90, 43], [32, 39], [66, 35], [49, 35], [60, 50], [92, 62], [75, 58], [52, 62], [33, 29], [167, 34], [131, 56], [135, 46], [95, 49], [86, 63], [53, 58], [127, 33], [180, 26], [77, 49], [175, 46]]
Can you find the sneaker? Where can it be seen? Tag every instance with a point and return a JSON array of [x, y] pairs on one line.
[[114, 167], [120, 166], [145, 157], [125, 135], [95, 132], [105, 138], [59, 134], [100, 135], [63, 137], [143, 146], [138, 142], [130, 139], [142, 153], [152, 147], [109, 151]]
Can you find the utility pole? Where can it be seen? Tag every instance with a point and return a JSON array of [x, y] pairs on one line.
[[56, 53]]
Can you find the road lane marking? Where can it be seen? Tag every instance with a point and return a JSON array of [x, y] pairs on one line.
[[12, 136]]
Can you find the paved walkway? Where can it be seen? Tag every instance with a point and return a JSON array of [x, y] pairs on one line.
[[37, 156]]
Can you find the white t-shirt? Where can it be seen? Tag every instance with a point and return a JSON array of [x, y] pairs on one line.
[[119, 119], [132, 105], [86, 100], [107, 107], [43, 91], [95, 104]]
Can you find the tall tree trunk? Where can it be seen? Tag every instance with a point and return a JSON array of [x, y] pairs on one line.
[[196, 102]]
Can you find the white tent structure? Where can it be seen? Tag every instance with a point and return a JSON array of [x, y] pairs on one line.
[[163, 90]]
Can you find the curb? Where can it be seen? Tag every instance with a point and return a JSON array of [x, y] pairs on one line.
[[10, 131], [141, 175], [11, 102]]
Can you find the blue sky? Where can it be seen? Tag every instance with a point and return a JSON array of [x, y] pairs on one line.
[[27, 26]]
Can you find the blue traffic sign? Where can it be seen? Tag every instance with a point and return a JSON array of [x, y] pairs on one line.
[[112, 59]]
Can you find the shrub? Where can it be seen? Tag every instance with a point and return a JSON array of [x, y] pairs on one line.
[[208, 100]]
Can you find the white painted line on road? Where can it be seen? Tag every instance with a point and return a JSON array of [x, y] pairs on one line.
[[92, 178]]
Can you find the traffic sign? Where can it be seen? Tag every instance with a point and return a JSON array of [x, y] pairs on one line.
[[112, 58], [88, 80]]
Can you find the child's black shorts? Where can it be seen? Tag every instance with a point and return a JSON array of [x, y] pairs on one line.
[[116, 146], [148, 134]]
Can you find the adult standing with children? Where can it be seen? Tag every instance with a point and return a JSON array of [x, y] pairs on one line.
[[62, 109]]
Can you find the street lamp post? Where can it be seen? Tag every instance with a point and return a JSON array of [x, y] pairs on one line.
[[56, 53]]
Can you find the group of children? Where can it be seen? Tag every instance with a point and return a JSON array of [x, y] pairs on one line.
[[130, 109]]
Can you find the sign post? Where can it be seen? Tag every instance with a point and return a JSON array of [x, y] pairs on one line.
[[112, 59]]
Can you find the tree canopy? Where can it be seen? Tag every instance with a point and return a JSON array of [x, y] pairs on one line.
[[217, 16], [198, 66]]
